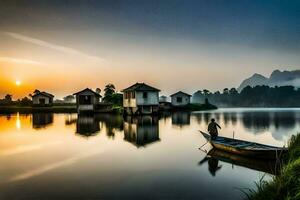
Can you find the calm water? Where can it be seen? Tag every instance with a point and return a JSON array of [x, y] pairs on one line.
[[62, 156]]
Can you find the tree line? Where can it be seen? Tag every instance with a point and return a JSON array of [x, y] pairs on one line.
[[110, 95], [258, 96]]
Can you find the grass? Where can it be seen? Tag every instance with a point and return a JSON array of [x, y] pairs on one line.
[[285, 186]]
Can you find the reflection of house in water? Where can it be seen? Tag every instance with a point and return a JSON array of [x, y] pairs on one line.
[[141, 130], [111, 122], [87, 125], [70, 119], [41, 120], [181, 118]]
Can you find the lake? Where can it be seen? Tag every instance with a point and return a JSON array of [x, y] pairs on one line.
[[63, 156]]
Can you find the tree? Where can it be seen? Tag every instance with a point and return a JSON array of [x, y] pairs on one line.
[[225, 91], [8, 98], [109, 90], [206, 92], [233, 91], [25, 101], [36, 91], [98, 90], [117, 99]]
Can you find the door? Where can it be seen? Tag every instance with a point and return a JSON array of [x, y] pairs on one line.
[[42, 101]]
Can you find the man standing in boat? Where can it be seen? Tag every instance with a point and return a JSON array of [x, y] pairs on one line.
[[213, 129]]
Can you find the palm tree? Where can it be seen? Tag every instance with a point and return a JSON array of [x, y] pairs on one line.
[[109, 90]]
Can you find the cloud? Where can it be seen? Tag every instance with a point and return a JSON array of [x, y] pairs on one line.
[[56, 47], [20, 61]]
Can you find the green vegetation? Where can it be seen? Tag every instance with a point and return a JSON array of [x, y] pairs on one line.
[[111, 96], [259, 96], [285, 186]]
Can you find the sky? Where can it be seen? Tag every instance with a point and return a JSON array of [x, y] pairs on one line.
[[63, 46]]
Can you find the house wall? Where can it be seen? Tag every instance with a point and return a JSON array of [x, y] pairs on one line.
[[185, 100], [95, 99], [36, 99], [139, 100], [129, 102], [87, 107], [152, 98]]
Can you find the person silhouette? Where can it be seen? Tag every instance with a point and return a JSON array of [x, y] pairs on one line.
[[213, 129]]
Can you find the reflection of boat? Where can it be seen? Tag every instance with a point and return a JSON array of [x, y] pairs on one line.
[[268, 166], [245, 148]]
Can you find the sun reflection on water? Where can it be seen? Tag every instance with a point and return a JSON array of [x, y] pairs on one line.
[[18, 122]]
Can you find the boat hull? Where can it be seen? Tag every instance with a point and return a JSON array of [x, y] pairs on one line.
[[269, 154], [245, 148]]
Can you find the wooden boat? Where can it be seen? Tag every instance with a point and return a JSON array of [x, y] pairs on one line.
[[245, 148]]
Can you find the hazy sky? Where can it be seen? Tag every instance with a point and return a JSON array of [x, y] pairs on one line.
[[63, 46]]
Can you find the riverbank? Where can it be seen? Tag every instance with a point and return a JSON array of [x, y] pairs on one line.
[[32, 109], [71, 108], [287, 184]]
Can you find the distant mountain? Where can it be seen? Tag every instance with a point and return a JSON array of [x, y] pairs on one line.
[[277, 78]]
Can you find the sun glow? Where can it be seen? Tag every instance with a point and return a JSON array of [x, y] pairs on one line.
[[18, 83]]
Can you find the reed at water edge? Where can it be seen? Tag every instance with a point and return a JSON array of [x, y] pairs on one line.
[[286, 185]]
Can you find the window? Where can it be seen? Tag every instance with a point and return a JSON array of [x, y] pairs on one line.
[[133, 95], [145, 95], [179, 99]]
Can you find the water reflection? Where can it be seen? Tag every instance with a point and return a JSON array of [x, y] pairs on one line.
[[70, 119], [214, 156], [213, 164], [98, 161], [87, 125], [141, 130], [112, 123], [41, 120], [257, 122], [279, 123], [181, 118], [284, 119]]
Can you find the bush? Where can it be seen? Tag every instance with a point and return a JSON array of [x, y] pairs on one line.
[[286, 185]]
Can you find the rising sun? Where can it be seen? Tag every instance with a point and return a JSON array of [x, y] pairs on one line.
[[18, 83]]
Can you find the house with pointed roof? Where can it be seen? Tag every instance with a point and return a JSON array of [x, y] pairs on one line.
[[87, 100], [42, 99], [140, 98], [180, 99]]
